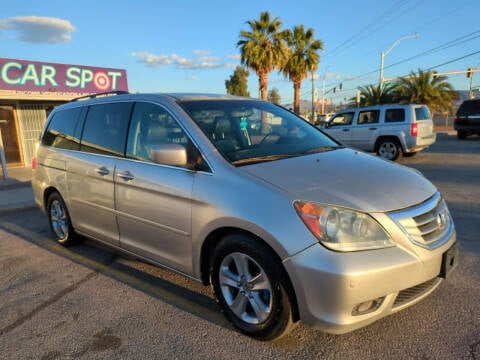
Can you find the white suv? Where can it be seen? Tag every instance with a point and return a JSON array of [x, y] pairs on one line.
[[389, 130]]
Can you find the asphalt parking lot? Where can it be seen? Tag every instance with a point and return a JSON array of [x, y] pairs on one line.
[[87, 302]]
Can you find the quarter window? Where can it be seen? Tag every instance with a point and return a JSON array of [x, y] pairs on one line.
[[394, 115], [63, 131], [422, 113], [105, 129]]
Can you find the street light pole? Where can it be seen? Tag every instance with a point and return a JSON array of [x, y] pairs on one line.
[[385, 53]]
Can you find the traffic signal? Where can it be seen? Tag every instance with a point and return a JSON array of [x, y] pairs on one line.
[[340, 86], [334, 89], [469, 72]]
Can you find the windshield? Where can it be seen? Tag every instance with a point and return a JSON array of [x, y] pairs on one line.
[[249, 131]]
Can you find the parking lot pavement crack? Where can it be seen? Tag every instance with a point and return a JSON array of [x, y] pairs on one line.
[[53, 299]]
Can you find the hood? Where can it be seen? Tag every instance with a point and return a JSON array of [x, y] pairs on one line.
[[347, 178]]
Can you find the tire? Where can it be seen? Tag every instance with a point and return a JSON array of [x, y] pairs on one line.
[[461, 135], [59, 220], [389, 149], [250, 287]]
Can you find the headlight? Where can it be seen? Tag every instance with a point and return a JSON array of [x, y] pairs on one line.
[[342, 229]]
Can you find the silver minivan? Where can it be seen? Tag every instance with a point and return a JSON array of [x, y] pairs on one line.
[[389, 130], [281, 220]]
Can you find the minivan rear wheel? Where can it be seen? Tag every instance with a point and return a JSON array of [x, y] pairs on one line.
[[59, 219], [389, 148], [251, 288]]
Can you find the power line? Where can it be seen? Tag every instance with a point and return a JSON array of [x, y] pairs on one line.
[[366, 27], [454, 60], [377, 24], [447, 45]]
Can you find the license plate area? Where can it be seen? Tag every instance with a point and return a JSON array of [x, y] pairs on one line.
[[450, 260]]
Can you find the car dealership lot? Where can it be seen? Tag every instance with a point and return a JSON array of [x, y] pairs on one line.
[[86, 302]]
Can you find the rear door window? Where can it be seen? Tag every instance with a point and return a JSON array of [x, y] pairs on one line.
[[368, 117], [394, 115], [63, 130], [105, 129]]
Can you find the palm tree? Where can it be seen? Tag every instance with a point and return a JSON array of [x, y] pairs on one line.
[[375, 95], [426, 87], [302, 57], [263, 48]]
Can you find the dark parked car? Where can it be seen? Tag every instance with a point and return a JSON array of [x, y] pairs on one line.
[[467, 120]]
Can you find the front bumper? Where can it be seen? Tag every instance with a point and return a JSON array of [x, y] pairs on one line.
[[330, 286]]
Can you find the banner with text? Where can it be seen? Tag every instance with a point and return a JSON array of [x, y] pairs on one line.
[[34, 76]]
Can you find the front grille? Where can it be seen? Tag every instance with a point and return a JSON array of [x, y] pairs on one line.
[[410, 294], [428, 224]]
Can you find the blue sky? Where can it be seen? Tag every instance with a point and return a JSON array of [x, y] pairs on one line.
[[190, 45]]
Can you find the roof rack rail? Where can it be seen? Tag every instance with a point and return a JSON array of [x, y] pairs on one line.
[[99, 95]]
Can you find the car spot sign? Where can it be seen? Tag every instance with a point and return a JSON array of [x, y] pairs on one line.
[[23, 75]]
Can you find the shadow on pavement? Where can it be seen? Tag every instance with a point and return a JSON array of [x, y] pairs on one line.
[[103, 260]]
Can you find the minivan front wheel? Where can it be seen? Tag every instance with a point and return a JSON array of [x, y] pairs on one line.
[[389, 149], [59, 220], [250, 288]]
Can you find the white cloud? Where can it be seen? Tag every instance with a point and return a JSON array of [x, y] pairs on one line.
[[201, 52], [152, 60], [192, 78], [39, 29], [184, 63], [233, 57], [210, 58], [203, 62]]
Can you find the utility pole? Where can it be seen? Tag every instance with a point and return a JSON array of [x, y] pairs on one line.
[[313, 99], [383, 54], [323, 95]]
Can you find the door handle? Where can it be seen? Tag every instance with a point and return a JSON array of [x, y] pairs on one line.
[[126, 175], [372, 128], [345, 129], [102, 171]]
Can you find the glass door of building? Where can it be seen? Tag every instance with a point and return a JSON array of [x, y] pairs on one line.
[[10, 139]]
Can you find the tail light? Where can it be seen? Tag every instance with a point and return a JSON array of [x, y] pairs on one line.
[[34, 159], [413, 130]]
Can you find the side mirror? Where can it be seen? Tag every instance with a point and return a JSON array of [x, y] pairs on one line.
[[169, 154]]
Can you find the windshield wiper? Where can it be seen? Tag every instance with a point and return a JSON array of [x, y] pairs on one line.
[[323, 149], [259, 159]]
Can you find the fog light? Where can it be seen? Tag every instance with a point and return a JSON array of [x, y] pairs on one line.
[[367, 306]]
